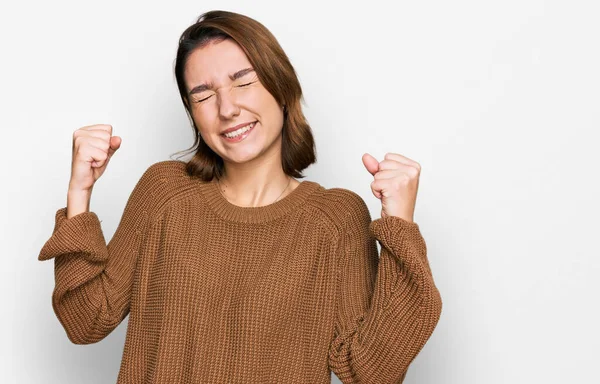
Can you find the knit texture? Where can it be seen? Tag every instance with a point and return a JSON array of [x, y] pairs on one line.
[[218, 293]]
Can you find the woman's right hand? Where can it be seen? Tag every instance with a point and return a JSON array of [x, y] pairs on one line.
[[93, 146]]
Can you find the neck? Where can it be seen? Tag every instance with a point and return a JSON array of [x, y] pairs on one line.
[[256, 183]]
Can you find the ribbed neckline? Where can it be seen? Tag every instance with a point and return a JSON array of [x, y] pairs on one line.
[[231, 212]]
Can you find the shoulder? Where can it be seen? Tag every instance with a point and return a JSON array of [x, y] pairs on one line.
[[164, 169], [160, 183], [339, 207], [160, 175]]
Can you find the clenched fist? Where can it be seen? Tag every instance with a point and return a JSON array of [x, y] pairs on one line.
[[93, 146]]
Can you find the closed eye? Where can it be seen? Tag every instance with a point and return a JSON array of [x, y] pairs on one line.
[[243, 85], [201, 100]]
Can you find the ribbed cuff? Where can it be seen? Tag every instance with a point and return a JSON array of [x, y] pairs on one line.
[[81, 233], [392, 230]]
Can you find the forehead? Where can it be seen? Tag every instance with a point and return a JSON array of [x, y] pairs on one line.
[[214, 62]]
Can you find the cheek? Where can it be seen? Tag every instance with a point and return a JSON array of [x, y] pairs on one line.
[[200, 115], [200, 122], [268, 106]]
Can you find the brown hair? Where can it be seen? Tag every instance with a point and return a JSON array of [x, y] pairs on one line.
[[274, 71]]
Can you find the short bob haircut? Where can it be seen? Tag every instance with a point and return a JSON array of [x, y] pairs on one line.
[[274, 71]]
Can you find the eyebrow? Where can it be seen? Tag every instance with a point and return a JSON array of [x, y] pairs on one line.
[[235, 76]]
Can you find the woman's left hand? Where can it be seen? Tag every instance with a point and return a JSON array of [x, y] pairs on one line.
[[396, 184]]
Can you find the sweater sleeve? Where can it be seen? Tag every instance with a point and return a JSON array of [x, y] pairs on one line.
[[387, 305], [93, 281]]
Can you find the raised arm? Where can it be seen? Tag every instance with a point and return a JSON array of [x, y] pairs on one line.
[[387, 306], [93, 280]]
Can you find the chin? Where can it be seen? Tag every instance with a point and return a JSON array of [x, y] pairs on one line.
[[242, 155]]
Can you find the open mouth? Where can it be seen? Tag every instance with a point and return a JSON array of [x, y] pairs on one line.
[[239, 134]]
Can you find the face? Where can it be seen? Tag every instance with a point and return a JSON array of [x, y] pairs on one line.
[[223, 93]]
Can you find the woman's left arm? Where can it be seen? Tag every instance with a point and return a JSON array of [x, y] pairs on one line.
[[387, 305]]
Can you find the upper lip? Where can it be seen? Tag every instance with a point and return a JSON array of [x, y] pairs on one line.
[[236, 127]]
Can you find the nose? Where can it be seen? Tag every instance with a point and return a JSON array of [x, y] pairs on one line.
[[228, 107]]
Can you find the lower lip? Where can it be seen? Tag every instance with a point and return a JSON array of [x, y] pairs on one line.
[[239, 137]]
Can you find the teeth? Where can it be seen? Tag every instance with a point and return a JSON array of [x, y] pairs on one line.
[[233, 134]]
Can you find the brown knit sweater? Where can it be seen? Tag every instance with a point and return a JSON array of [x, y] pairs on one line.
[[217, 293]]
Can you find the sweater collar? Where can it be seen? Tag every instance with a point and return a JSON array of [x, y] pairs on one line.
[[231, 212]]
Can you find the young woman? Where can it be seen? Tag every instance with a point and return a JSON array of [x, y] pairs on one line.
[[231, 270]]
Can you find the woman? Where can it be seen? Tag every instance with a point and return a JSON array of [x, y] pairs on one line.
[[232, 270]]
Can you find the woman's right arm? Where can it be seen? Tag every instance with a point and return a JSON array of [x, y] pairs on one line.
[[93, 280]]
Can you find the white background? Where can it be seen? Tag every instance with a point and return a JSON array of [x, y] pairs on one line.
[[497, 100]]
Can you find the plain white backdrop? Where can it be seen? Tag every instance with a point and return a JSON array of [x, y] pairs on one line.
[[497, 100]]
